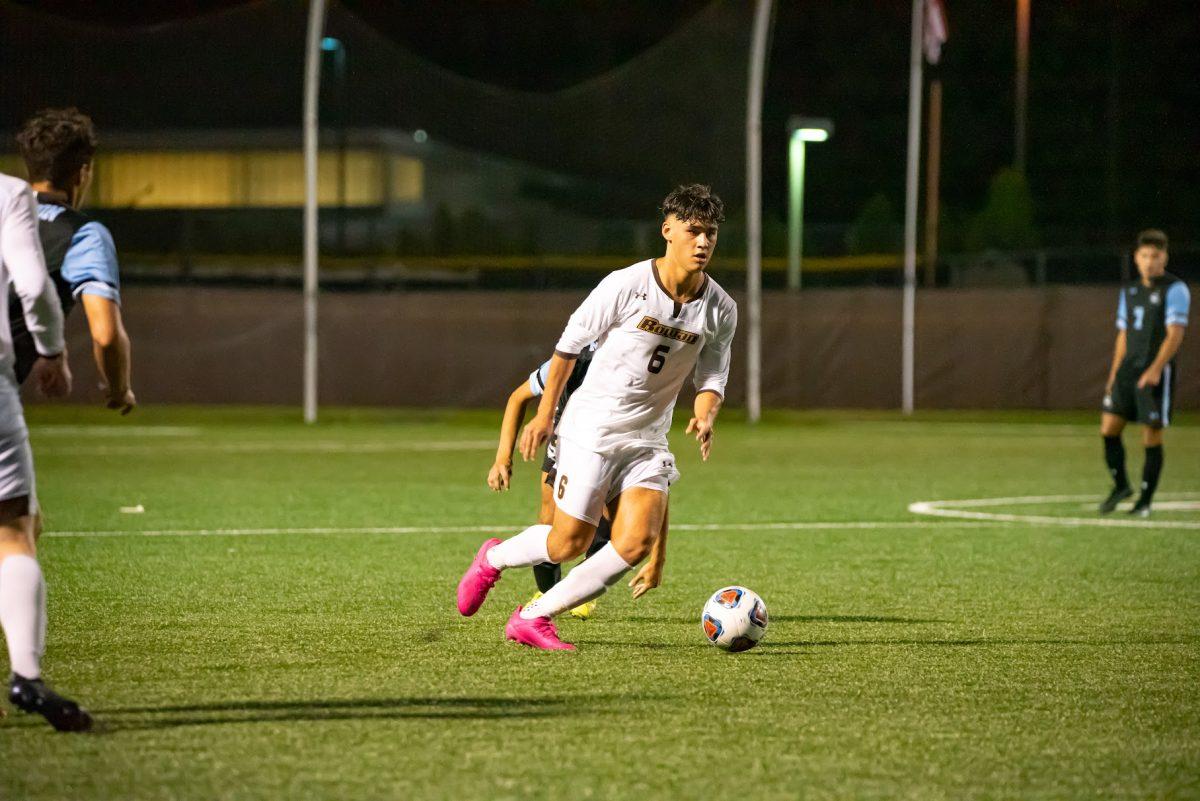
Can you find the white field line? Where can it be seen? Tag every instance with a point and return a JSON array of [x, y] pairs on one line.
[[495, 528], [963, 510], [264, 446], [114, 431]]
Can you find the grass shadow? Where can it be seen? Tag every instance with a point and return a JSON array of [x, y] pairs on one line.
[[797, 619], [143, 718]]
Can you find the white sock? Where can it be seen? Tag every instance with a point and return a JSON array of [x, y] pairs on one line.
[[23, 613], [525, 549], [590, 579]]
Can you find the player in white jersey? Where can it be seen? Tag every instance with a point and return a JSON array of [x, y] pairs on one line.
[[22, 587], [657, 322]]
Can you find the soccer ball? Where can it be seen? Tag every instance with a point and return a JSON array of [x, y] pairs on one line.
[[734, 619]]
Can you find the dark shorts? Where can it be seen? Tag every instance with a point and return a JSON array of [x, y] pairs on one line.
[[1150, 406], [550, 463]]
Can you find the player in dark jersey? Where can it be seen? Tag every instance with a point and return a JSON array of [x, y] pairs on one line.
[[1151, 317], [547, 574], [58, 146]]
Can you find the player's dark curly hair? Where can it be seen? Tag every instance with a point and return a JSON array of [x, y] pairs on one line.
[[1153, 237], [694, 202], [55, 144]]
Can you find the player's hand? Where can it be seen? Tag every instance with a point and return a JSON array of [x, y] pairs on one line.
[[536, 432], [500, 475], [1150, 378], [52, 376], [704, 435], [649, 577], [125, 401]]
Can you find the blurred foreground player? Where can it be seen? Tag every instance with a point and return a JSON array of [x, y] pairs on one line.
[[657, 321], [58, 146], [550, 573], [1151, 317], [22, 587]]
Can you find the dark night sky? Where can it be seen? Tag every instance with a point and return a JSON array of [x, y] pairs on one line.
[[1114, 99]]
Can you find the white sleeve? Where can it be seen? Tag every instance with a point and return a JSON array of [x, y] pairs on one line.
[[712, 368], [21, 250], [595, 316]]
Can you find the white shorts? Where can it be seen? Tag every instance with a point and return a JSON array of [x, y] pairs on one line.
[[587, 481], [16, 457]]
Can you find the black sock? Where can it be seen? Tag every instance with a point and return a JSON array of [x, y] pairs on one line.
[[547, 574], [1150, 472], [1114, 457], [603, 535]]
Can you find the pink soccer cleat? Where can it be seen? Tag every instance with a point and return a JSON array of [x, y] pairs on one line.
[[536, 633], [477, 581]]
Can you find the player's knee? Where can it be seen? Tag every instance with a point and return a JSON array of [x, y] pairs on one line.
[[568, 540]]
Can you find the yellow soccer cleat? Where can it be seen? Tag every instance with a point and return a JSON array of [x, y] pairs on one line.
[[584, 611]]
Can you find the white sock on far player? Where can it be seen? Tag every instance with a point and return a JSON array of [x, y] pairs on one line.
[[525, 549], [590, 579], [23, 613]]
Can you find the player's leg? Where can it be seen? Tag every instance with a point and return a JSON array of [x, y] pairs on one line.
[[579, 492], [23, 618], [603, 534], [1154, 413], [1119, 406], [547, 574], [1152, 440], [637, 519]]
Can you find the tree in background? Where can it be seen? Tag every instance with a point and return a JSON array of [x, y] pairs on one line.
[[876, 228], [1006, 220]]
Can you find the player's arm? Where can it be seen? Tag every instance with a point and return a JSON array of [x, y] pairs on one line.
[[1118, 357], [514, 414], [110, 349], [1166, 352], [1175, 312], [542, 425], [21, 251], [1119, 345], [710, 378], [704, 418]]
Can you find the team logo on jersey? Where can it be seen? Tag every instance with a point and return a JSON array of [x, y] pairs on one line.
[[729, 598], [758, 615], [1154, 298], [712, 627], [652, 326]]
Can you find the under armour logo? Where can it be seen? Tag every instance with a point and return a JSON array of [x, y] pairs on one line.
[[641, 295]]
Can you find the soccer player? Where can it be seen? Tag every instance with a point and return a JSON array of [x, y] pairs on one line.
[[656, 321], [58, 146], [1151, 316], [499, 477], [22, 587]]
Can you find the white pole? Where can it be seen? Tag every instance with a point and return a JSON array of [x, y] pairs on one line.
[[754, 99], [312, 83], [910, 205]]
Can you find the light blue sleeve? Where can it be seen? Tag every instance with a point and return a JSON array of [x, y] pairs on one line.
[[90, 266], [1178, 301], [537, 379], [1122, 314]]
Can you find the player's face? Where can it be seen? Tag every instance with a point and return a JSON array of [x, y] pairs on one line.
[[1151, 261], [689, 242]]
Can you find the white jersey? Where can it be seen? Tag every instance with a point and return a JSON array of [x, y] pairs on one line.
[[648, 345]]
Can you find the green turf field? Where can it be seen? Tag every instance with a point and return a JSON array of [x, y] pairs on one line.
[[290, 631]]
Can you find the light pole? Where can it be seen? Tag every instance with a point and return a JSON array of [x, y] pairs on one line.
[[337, 51], [802, 130]]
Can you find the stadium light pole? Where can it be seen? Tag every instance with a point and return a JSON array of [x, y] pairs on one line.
[[754, 101], [337, 51], [801, 131], [312, 85]]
